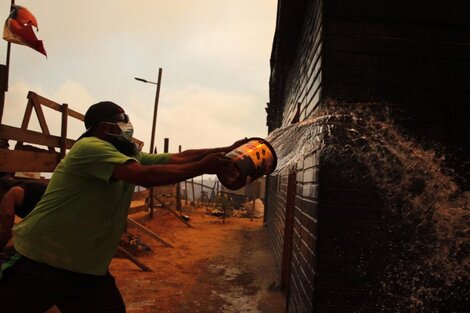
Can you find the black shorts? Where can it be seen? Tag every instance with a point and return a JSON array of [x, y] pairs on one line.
[[29, 286]]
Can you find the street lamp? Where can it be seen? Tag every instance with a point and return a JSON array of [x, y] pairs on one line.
[[155, 109], [145, 81], [154, 124]]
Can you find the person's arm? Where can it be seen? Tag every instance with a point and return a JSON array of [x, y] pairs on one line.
[[198, 154], [166, 174], [14, 197]]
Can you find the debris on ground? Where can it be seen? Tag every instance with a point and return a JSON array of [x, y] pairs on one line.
[[212, 269]]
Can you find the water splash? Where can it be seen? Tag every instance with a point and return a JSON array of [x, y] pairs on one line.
[[430, 266], [292, 143]]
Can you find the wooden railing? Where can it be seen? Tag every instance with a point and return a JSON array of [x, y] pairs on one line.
[[31, 159]]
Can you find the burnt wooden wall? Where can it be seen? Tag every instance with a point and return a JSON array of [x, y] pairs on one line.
[[412, 54], [295, 95]]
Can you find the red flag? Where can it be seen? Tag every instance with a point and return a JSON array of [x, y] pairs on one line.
[[19, 29]]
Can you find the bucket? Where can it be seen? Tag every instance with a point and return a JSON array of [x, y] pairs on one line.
[[253, 159]]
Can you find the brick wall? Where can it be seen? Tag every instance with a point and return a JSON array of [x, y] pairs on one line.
[[413, 55], [354, 52], [302, 97]]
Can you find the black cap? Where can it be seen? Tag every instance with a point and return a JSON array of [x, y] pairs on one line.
[[100, 112]]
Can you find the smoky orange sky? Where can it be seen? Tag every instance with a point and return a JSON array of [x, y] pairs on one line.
[[214, 54]]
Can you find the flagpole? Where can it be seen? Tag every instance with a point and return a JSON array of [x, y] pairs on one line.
[[7, 65], [8, 59], [6, 77]]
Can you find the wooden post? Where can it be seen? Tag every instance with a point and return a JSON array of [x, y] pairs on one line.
[[63, 130], [178, 191], [212, 193], [255, 192], [194, 196], [155, 109], [3, 83], [202, 190], [186, 192], [252, 208], [152, 138], [166, 144]]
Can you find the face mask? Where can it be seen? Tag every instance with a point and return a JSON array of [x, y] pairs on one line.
[[123, 142], [123, 145], [127, 130]]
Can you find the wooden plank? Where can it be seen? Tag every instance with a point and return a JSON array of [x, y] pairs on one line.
[[129, 255], [44, 101], [63, 130], [27, 115], [53, 105], [75, 114], [41, 118], [29, 136], [42, 121], [288, 232], [141, 227], [27, 161], [173, 211], [26, 119], [39, 100]]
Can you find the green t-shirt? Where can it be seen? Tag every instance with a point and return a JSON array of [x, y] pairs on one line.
[[78, 222]]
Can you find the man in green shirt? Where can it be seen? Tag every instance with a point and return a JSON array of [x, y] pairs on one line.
[[66, 243]]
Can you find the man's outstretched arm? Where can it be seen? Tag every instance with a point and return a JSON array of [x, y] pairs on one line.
[[198, 154], [166, 174]]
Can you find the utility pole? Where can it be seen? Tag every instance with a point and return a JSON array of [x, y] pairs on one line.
[[154, 125], [178, 190]]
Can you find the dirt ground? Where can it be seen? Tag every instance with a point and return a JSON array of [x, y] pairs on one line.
[[213, 267]]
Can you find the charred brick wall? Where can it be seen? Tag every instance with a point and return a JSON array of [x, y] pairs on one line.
[[412, 55], [407, 54], [298, 93]]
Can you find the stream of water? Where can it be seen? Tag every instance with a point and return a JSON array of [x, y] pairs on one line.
[[431, 269]]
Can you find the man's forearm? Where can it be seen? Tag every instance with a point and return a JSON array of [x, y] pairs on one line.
[[161, 175], [195, 155], [164, 174]]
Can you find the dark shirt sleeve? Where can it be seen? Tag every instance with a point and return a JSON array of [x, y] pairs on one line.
[[33, 192]]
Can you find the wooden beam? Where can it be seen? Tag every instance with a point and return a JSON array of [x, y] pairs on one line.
[[44, 101], [29, 136], [27, 161], [173, 211], [75, 114], [129, 255], [147, 231], [26, 118], [53, 105], [63, 130], [42, 121]]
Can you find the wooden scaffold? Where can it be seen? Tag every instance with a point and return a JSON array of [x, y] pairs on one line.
[[28, 158]]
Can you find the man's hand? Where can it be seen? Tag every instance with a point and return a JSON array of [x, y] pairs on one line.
[[237, 144], [198, 154], [214, 163]]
